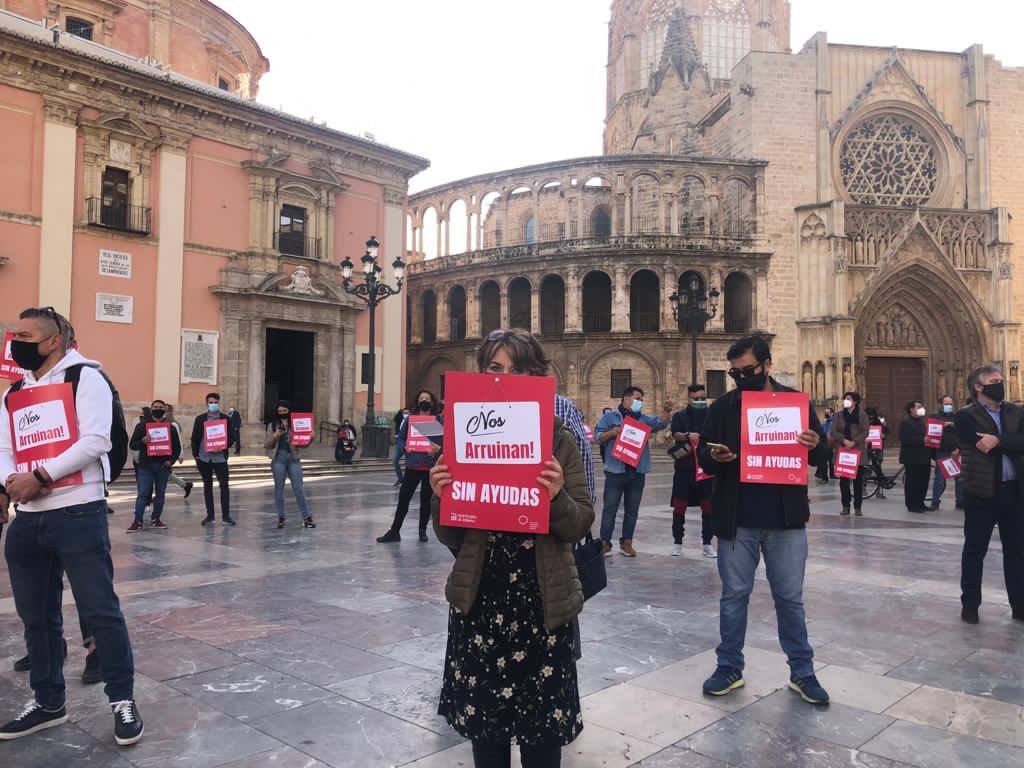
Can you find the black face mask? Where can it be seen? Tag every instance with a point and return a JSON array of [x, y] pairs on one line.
[[283, 416], [753, 383], [424, 406], [26, 354], [995, 391], [158, 414]]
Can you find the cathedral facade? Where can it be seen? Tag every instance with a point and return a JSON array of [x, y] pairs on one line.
[[854, 203]]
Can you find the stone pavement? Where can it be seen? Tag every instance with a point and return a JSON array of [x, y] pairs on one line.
[[256, 647]]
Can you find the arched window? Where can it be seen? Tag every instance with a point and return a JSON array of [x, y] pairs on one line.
[[726, 33], [552, 306], [601, 222], [738, 208], [457, 219], [691, 286], [739, 303], [519, 310], [597, 303], [888, 160], [645, 302], [428, 233], [645, 205], [457, 313], [490, 307], [691, 207], [530, 230], [429, 317]]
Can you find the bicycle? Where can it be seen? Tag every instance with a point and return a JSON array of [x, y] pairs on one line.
[[876, 482]]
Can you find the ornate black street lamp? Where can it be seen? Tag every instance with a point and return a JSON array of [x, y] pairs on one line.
[[694, 307], [373, 290]]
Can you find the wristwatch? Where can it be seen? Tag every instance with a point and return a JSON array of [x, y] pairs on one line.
[[41, 477]]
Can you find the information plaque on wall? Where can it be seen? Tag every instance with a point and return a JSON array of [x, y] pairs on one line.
[[199, 357], [111, 308]]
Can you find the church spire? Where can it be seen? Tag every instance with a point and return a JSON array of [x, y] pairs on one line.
[[680, 52]]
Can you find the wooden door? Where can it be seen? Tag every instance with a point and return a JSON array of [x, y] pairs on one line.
[[890, 383]]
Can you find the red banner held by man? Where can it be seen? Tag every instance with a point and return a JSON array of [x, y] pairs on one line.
[[414, 441], [933, 433], [847, 463], [44, 424], [875, 437], [700, 474], [8, 368], [499, 431], [770, 423], [629, 445], [302, 429], [949, 467], [159, 434], [215, 435]]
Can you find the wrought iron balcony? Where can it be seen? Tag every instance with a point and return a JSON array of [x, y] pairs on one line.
[[124, 218], [291, 244]]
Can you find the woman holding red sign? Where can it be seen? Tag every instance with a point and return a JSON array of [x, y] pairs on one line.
[[420, 457], [848, 433], [158, 446], [286, 462], [510, 671]]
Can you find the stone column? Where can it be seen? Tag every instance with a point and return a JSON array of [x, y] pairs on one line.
[[443, 315], [332, 408], [504, 306], [170, 264], [535, 304], [256, 366], [573, 306], [390, 315], [760, 318], [620, 302], [348, 368], [669, 284], [57, 229], [473, 312]]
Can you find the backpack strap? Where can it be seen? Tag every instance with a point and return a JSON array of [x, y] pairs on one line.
[[13, 388]]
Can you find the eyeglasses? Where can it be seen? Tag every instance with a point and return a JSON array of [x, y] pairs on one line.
[[501, 335], [745, 373]]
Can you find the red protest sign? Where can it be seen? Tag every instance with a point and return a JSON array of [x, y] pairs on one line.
[[8, 368], [847, 463], [629, 445], [589, 434], [949, 467], [44, 424], [499, 431], [769, 425], [215, 435], [933, 433], [159, 434], [701, 475], [302, 429], [414, 441], [875, 437]]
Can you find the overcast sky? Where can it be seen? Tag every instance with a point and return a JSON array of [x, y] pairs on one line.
[[479, 85]]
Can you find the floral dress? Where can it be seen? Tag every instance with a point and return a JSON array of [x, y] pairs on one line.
[[505, 676]]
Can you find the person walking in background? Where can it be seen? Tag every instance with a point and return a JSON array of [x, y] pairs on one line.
[[989, 432], [849, 430], [212, 463], [396, 460], [185, 485], [509, 669], [235, 425], [686, 428], [825, 473], [417, 475], [915, 456], [153, 467], [949, 449], [621, 481], [286, 462]]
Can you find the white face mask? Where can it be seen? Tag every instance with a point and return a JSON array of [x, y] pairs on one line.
[[847, 403], [921, 411]]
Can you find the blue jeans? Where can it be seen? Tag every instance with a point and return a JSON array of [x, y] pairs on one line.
[[785, 555], [630, 485], [76, 538], [939, 483], [151, 480], [286, 465], [396, 460]]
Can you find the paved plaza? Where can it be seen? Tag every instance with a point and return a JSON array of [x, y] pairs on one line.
[[298, 649]]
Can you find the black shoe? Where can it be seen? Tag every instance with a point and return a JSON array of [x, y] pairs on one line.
[[228, 520], [188, 488], [857, 512], [91, 674], [307, 522], [934, 506], [969, 615], [423, 536], [389, 537], [724, 681], [208, 520], [127, 723], [845, 512], [24, 664], [280, 523], [810, 690], [33, 719], [397, 483]]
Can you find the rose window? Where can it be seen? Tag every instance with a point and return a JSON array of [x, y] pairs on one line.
[[887, 160]]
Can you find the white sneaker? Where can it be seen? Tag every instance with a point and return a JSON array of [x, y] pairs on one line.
[[677, 550], [709, 551]]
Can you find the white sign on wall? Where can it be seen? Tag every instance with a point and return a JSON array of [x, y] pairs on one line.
[[120, 151], [111, 308], [199, 357], [116, 264]]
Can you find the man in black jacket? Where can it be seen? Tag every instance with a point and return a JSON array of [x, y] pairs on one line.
[[992, 449], [153, 472], [210, 463], [751, 519]]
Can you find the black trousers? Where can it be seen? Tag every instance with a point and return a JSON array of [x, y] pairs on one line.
[[981, 516], [500, 756], [916, 487], [679, 524], [208, 469], [412, 479], [858, 489]]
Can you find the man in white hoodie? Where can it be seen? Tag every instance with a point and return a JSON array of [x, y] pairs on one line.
[[53, 462]]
